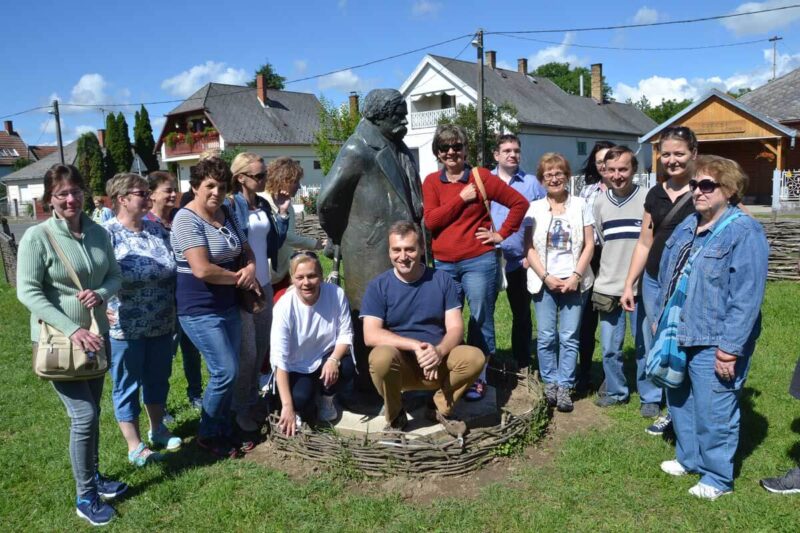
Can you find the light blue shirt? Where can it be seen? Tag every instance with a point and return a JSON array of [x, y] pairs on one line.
[[514, 246]]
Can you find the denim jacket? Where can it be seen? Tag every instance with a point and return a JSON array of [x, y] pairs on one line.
[[278, 225], [726, 286]]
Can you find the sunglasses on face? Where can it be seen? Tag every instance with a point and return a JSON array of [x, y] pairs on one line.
[[705, 186], [140, 194], [444, 148], [258, 177]]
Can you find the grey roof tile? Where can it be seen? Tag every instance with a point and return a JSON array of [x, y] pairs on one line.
[[539, 101], [780, 98]]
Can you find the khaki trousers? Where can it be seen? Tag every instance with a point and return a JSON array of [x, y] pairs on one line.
[[394, 371]]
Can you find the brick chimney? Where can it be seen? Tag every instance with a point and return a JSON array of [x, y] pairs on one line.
[[491, 59], [101, 137], [522, 65], [353, 104], [8, 125], [261, 89], [597, 82]]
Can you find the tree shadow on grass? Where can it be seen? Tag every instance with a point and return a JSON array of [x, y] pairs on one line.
[[753, 429]]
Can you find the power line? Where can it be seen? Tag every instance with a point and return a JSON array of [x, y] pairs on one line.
[[26, 111], [634, 49], [650, 24]]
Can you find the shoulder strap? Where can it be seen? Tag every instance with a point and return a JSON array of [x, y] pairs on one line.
[[60, 253], [675, 208], [479, 182], [714, 232]]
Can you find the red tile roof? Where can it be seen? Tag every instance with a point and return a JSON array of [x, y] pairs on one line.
[[8, 145], [42, 151]]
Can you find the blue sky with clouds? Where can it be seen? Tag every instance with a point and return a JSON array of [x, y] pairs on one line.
[[92, 52]]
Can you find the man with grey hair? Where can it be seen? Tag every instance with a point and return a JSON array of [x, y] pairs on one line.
[[373, 183]]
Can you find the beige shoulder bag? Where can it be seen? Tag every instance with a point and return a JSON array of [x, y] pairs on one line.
[[502, 283]]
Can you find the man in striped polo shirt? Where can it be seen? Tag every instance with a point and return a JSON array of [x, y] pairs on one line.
[[618, 219]]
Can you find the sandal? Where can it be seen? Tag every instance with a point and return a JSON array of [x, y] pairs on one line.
[[143, 455], [476, 392]]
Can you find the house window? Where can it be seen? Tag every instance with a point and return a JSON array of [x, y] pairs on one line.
[[317, 165], [581, 148], [9, 152]]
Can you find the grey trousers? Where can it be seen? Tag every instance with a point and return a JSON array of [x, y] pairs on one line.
[[255, 343], [82, 400]]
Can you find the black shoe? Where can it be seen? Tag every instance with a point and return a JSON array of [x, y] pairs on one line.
[[398, 424], [789, 483], [218, 446]]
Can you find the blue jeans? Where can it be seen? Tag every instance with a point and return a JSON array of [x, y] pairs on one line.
[[140, 363], [304, 387], [218, 337], [477, 279], [82, 400], [191, 363], [612, 337], [558, 319], [649, 298], [705, 414]]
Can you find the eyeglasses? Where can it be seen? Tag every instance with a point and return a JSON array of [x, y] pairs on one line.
[[64, 194], [258, 177], [307, 253], [168, 190], [705, 186], [553, 175], [444, 148], [140, 194]]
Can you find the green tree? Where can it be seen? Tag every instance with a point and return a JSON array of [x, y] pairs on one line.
[[229, 154], [569, 78], [739, 92], [336, 124], [273, 79], [143, 141], [498, 119], [663, 111], [89, 160], [22, 162], [110, 140], [119, 156]]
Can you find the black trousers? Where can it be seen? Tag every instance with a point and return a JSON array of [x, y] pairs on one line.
[[589, 320], [519, 299]]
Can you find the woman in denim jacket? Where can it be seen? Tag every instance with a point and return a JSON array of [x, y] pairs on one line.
[[720, 322]]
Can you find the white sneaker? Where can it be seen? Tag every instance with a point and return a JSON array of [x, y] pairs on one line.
[[327, 408], [673, 468], [707, 492]]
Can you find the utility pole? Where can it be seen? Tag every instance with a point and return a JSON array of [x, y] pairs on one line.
[[478, 43], [774, 42], [58, 130]]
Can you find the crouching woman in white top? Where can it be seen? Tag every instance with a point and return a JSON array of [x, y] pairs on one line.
[[311, 339]]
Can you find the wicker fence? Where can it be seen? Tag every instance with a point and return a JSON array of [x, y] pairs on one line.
[[8, 251], [784, 249]]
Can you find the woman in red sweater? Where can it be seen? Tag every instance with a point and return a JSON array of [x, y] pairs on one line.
[[464, 238]]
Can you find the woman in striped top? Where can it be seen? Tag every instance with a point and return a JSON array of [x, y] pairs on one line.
[[207, 244]]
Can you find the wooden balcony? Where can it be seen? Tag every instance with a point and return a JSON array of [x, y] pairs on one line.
[[197, 147]]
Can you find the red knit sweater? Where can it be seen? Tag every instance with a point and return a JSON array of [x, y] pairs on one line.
[[453, 223]]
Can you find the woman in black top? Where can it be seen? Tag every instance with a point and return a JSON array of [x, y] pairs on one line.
[[666, 205]]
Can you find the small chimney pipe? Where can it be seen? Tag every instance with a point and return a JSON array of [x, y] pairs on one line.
[[101, 137], [353, 104], [491, 59], [522, 65], [597, 82], [8, 125], [261, 89]]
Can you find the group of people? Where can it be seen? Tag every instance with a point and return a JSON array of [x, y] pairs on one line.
[[157, 276]]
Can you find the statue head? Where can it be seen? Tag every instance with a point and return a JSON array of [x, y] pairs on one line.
[[387, 110]]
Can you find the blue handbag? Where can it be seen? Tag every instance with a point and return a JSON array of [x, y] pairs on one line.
[[666, 361]]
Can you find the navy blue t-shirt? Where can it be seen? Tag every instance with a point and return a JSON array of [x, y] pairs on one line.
[[414, 310]]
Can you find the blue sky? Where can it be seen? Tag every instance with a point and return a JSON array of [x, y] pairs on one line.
[[104, 52]]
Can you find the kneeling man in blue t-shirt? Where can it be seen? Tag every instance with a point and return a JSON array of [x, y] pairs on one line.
[[412, 318]]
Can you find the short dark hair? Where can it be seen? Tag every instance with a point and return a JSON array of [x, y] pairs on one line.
[[681, 133], [402, 228], [155, 179], [590, 172], [445, 134], [506, 138], [59, 173], [615, 152], [214, 168]]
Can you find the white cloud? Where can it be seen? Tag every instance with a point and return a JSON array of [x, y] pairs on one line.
[[422, 8], [647, 15], [90, 90], [83, 128], [658, 88], [300, 66], [762, 22], [188, 81], [344, 81], [558, 53], [157, 124]]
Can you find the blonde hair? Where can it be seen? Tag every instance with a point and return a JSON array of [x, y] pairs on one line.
[[727, 172], [240, 164], [121, 184], [553, 159], [304, 257]]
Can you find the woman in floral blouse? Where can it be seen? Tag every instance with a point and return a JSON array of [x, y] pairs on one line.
[[143, 316]]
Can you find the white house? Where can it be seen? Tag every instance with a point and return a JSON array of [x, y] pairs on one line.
[[550, 120], [268, 122]]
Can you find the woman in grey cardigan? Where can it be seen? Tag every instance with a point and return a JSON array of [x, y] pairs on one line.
[[45, 288]]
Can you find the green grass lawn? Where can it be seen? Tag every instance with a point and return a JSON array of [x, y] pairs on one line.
[[600, 480]]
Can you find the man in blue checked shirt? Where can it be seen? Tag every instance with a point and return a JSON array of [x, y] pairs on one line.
[[507, 154]]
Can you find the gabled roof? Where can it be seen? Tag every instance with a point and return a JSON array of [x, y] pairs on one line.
[[780, 98], [10, 145], [714, 93], [37, 169], [42, 151], [289, 117], [541, 102]]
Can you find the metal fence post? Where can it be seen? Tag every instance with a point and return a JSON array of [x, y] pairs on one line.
[[776, 190]]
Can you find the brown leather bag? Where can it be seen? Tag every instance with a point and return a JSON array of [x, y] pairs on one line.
[[502, 282]]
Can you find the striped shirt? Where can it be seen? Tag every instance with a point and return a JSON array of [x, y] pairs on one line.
[[618, 222], [223, 245]]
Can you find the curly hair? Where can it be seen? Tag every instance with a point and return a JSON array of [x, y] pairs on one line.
[[283, 174], [727, 172], [214, 168]]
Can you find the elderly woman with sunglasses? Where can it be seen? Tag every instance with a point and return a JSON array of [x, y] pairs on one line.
[[265, 231], [720, 322], [207, 245], [312, 337], [464, 237], [142, 317]]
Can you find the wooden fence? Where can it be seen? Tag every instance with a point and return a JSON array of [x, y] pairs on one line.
[[8, 251], [784, 249]]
